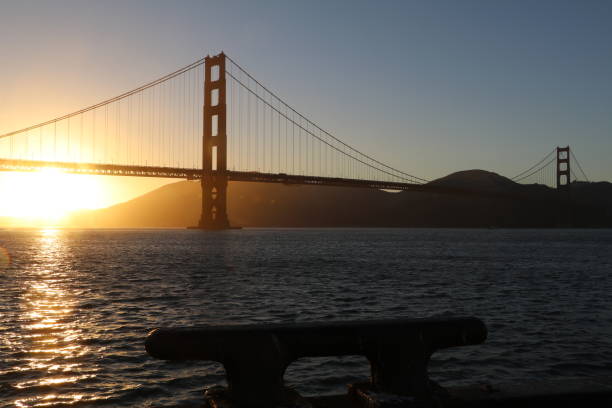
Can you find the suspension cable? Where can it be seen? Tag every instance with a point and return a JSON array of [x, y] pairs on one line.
[[273, 108], [315, 125], [537, 170], [579, 166], [108, 101], [532, 167]]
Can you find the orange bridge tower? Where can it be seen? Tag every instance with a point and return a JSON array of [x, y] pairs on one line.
[[214, 158]]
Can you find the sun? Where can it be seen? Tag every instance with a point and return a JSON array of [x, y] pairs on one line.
[[48, 194]]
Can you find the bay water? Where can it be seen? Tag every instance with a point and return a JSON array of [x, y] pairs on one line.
[[76, 305]]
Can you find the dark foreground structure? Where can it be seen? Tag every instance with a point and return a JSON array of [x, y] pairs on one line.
[[255, 359]]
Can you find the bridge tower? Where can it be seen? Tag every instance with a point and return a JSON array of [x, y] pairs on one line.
[[563, 186], [214, 159], [563, 168]]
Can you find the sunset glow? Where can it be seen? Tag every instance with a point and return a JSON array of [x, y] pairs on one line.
[[49, 194]]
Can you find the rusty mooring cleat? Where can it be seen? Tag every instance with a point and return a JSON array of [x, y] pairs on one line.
[[256, 357]]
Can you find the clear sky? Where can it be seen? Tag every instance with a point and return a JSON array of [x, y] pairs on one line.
[[431, 87]]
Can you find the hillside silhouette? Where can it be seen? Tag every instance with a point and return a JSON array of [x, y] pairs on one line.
[[277, 205]]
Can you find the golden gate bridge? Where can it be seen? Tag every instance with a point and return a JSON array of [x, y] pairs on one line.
[[213, 121]]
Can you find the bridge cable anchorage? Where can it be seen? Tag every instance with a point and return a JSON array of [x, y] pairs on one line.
[[390, 170], [532, 167]]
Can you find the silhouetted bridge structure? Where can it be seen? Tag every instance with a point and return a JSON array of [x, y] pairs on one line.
[[214, 122], [196, 174]]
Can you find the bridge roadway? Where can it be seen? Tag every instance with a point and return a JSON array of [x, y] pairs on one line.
[[249, 176]]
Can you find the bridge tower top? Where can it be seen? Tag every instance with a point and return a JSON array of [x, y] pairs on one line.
[[563, 168]]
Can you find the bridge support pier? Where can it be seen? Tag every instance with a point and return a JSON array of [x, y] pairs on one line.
[[214, 155]]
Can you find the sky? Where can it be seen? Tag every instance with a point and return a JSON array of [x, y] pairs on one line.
[[430, 87]]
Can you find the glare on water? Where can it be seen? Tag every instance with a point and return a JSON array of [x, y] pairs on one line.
[[49, 331]]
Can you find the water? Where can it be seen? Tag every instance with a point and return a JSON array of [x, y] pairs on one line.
[[75, 306]]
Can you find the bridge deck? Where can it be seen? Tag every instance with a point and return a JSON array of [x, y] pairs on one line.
[[194, 174], [248, 176]]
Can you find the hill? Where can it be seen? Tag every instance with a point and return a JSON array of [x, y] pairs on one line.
[[277, 205]]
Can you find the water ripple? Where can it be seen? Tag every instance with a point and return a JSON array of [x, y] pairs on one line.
[[76, 305]]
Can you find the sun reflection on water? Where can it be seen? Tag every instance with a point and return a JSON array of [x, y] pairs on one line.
[[5, 259], [50, 331]]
